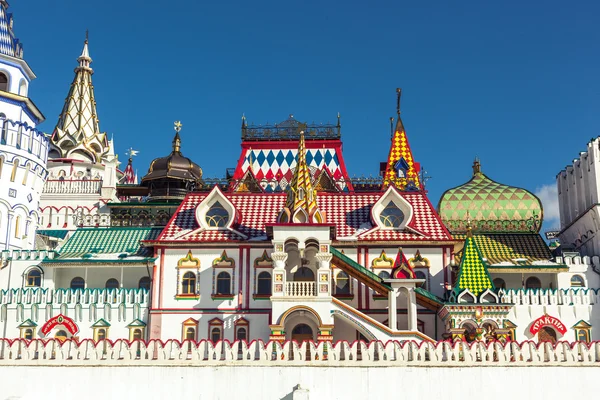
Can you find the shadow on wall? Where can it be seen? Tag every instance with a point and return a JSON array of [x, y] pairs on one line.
[[297, 393]]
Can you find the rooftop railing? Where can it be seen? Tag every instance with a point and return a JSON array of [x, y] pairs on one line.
[[74, 296]]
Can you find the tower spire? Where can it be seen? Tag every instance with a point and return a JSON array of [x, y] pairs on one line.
[[77, 131], [301, 203], [401, 169]]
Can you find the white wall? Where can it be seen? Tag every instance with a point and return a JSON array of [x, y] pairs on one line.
[[271, 383]]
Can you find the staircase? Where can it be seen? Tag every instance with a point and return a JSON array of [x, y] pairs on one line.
[[370, 328]]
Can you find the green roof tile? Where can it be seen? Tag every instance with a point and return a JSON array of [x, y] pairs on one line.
[[473, 273]]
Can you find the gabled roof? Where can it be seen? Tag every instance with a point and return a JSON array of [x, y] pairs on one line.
[[107, 245], [348, 212], [136, 323], [473, 274], [101, 323], [517, 249]]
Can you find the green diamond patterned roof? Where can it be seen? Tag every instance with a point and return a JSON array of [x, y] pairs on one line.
[[107, 244], [490, 206], [473, 273]]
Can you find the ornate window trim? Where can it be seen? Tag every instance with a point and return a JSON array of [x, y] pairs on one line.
[[241, 323], [383, 261], [205, 205], [134, 326], [189, 323], [215, 323], [418, 261], [262, 264], [350, 294], [26, 277], [583, 330], [219, 265], [188, 264], [391, 194]]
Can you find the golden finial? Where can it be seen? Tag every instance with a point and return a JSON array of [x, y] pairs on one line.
[[178, 126], [469, 227], [87, 35]]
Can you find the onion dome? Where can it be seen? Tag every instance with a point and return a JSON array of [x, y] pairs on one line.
[[171, 177], [490, 207]]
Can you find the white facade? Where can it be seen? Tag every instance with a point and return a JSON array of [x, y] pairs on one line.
[[578, 195], [23, 149]]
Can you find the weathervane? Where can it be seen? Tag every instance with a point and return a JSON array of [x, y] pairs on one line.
[[424, 177], [178, 126], [131, 153]]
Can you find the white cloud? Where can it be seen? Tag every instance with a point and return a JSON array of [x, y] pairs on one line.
[[548, 194]]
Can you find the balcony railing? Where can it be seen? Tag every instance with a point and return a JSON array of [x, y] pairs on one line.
[[573, 296], [56, 186], [301, 289], [74, 296]]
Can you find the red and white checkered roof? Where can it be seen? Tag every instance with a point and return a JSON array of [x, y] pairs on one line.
[[349, 212]]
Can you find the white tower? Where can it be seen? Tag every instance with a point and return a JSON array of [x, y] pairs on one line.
[[23, 149], [82, 166]]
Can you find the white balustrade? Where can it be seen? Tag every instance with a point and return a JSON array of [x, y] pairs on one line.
[[301, 289], [121, 352], [572, 296], [74, 296], [90, 186]]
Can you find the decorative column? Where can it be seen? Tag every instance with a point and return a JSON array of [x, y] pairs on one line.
[[279, 258], [392, 309], [324, 272], [412, 309]]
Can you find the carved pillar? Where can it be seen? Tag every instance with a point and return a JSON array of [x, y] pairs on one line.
[[392, 309], [412, 310], [324, 274], [278, 281]]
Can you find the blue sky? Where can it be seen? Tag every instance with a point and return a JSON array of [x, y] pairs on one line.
[[514, 83]]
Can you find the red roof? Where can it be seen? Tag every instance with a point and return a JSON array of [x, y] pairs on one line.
[[349, 212]]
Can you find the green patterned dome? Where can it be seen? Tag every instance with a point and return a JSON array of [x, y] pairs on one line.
[[490, 206]]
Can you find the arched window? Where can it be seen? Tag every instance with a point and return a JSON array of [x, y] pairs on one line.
[[499, 283], [264, 283], [27, 166], [188, 283], [215, 334], [384, 275], [144, 283], [23, 88], [4, 131], [241, 334], [421, 275], [137, 334], [342, 283], [77, 283], [28, 334], [190, 333], [3, 82], [533, 283], [34, 278], [101, 334], [223, 283], [112, 283], [15, 168], [217, 216], [18, 227], [391, 216], [577, 281], [583, 336]]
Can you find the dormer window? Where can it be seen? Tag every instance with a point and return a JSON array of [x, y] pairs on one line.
[[391, 216], [217, 216]]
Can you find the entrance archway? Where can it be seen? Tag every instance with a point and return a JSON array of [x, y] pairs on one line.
[[547, 334], [302, 332], [61, 335]]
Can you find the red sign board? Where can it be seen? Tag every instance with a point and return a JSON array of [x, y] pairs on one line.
[[546, 320], [60, 320]]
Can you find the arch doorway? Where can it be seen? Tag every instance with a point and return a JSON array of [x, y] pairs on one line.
[[304, 274], [547, 334], [61, 335], [302, 332]]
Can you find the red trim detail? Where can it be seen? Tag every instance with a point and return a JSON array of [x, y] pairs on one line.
[[547, 320], [367, 289], [60, 319]]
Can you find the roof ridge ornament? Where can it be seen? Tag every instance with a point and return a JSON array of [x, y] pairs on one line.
[[177, 139], [301, 203]]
